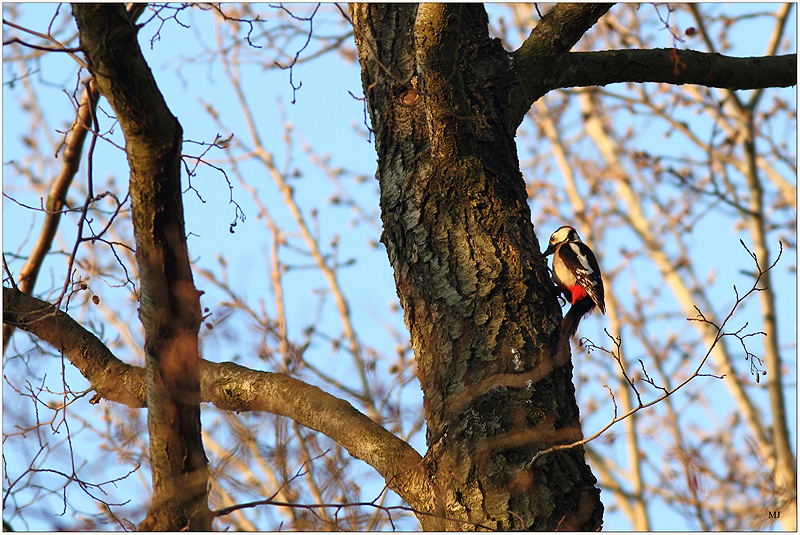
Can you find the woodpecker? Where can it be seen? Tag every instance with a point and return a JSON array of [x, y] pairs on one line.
[[577, 275]]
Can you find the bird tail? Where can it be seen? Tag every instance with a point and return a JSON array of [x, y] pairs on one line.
[[573, 317]]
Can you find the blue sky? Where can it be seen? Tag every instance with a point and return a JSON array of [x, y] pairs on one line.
[[331, 120]]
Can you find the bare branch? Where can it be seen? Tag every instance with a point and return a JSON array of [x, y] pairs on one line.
[[110, 377], [540, 58], [229, 387], [59, 47], [669, 392], [170, 303], [673, 66], [338, 506]]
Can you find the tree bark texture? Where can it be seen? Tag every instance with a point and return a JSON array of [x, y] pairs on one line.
[[678, 67], [478, 301], [169, 303], [445, 102]]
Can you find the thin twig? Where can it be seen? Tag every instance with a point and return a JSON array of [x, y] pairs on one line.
[[695, 374]]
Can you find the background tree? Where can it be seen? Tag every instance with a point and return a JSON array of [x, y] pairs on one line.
[[445, 102]]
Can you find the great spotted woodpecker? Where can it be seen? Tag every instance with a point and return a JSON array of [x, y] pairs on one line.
[[577, 275]]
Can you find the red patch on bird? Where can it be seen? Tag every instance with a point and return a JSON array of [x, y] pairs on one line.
[[578, 293]]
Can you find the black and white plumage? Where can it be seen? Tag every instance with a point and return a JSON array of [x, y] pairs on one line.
[[577, 275]]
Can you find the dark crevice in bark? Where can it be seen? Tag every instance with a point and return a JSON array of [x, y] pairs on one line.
[[475, 291]]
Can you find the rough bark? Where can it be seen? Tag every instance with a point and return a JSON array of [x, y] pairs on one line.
[[169, 303], [445, 102], [678, 67], [475, 291]]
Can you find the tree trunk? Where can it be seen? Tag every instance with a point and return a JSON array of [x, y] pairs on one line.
[[169, 302], [478, 301]]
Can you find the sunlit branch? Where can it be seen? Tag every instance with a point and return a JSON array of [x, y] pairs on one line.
[[59, 47], [339, 506], [256, 391]]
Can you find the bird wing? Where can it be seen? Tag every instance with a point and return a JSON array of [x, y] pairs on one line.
[[579, 259]]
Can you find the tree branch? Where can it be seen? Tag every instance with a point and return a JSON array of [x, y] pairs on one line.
[[672, 66], [56, 198], [231, 387], [544, 63], [539, 60], [170, 303], [719, 334], [110, 377], [558, 31]]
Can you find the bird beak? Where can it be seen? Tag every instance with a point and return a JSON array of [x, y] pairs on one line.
[[550, 250]]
